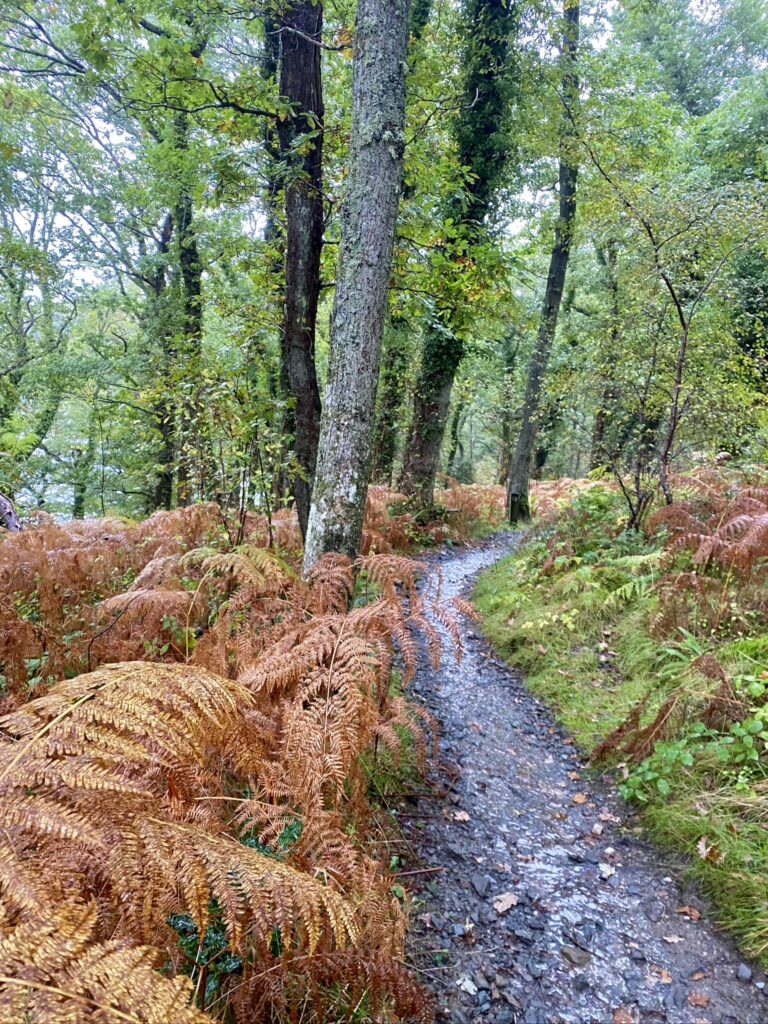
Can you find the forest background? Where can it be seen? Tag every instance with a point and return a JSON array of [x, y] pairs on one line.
[[171, 181]]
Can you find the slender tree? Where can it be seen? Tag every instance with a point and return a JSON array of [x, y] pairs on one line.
[[520, 467], [368, 225]]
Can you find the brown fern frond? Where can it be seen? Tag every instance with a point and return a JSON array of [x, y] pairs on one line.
[[257, 894], [51, 972]]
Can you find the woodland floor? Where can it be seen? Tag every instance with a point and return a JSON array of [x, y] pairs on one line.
[[604, 929]]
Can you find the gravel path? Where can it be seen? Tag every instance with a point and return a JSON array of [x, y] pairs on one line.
[[546, 907]]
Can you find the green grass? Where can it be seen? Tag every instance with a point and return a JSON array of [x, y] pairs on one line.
[[554, 620], [557, 639]]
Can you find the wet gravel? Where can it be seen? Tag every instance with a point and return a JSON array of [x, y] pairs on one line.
[[546, 906]]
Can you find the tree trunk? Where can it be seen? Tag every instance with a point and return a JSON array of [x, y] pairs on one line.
[[484, 150], [196, 453], [394, 367], [301, 33], [83, 464], [600, 455], [455, 432], [510, 348], [369, 217], [9, 518], [518, 505], [421, 11], [158, 323], [441, 356]]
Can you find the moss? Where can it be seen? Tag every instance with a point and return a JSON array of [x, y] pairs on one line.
[[557, 632]]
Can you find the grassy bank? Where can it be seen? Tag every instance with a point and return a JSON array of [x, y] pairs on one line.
[[653, 651]]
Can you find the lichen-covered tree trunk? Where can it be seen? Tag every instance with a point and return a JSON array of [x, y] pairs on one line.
[[301, 30], [518, 504], [368, 224]]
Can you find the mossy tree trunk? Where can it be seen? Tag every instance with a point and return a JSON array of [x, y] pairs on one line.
[[484, 149]]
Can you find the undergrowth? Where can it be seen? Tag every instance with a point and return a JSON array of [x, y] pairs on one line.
[[653, 649], [194, 747]]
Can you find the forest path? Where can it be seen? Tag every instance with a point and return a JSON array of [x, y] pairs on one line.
[[597, 933]]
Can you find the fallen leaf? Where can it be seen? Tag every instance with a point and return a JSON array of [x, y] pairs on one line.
[[466, 984], [460, 816], [661, 974], [623, 1015], [504, 902], [574, 776], [542, 649], [699, 999], [706, 852], [690, 912], [672, 939], [580, 798], [699, 975]]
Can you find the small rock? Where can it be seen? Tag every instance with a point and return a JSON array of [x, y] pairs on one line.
[[480, 883], [654, 911], [577, 957], [581, 983], [513, 1000], [744, 973]]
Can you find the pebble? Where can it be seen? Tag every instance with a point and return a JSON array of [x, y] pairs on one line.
[[577, 957], [744, 973], [654, 911], [480, 883]]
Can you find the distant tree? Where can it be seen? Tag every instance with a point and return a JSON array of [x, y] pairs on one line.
[[520, 466]]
